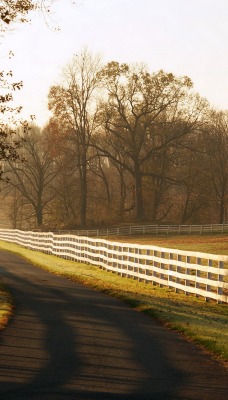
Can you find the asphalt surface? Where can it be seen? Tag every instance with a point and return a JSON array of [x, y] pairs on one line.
[[69, 342]]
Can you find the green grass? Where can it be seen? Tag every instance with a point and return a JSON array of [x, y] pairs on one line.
[[203, 322]]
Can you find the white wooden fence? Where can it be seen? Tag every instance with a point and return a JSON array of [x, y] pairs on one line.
[[125, 230], [195, 273]]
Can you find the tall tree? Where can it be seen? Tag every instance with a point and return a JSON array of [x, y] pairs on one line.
[[74, 106], [143, 115], [65, 206]]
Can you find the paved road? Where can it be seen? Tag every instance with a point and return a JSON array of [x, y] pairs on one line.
[[68, 342]]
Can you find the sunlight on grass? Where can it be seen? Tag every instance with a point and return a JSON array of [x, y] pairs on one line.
[[213, 244], [6, 307], [203, 322]]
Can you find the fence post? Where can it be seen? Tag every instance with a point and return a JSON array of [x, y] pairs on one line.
[[187, 272], [162, 267], [178, 270], [120, 258], [155, 264], [139, 264], [209, 276], [220, 279], [136, 261], [147, 263], [170, 276], [130, 257], [197, 285]]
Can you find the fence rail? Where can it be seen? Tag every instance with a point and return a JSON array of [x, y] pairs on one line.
[[150, 230], [195, 273]]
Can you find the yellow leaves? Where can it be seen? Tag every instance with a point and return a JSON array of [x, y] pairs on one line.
[[12, 10], [114, 69]]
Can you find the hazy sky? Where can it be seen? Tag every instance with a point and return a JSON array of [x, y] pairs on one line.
[[186, 37]]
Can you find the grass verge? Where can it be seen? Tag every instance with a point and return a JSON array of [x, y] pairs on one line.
[[6, 306], [204, 323]]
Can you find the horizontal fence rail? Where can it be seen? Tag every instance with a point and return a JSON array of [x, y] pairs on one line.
[[195, 273], [150, 230]]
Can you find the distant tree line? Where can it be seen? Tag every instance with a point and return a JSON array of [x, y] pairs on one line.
[[122, 145]]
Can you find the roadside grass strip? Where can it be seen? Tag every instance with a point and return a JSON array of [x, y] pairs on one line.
[[205, 323], [6, 306]]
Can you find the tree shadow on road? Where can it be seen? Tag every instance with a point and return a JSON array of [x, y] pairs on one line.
[[67, 341]]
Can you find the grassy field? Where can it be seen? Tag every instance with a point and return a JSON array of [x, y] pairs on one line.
[[213, 244], [205, 323]]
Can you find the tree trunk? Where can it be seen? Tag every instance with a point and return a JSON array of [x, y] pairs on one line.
[[39, 215], [221, 211], [139, 203], [83, 205]]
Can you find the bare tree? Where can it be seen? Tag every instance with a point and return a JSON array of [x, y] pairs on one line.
[[66, 204], [32, 175], [73, 105], [143, 115]]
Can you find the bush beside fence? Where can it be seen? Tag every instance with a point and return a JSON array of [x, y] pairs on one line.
[[195, 273]]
